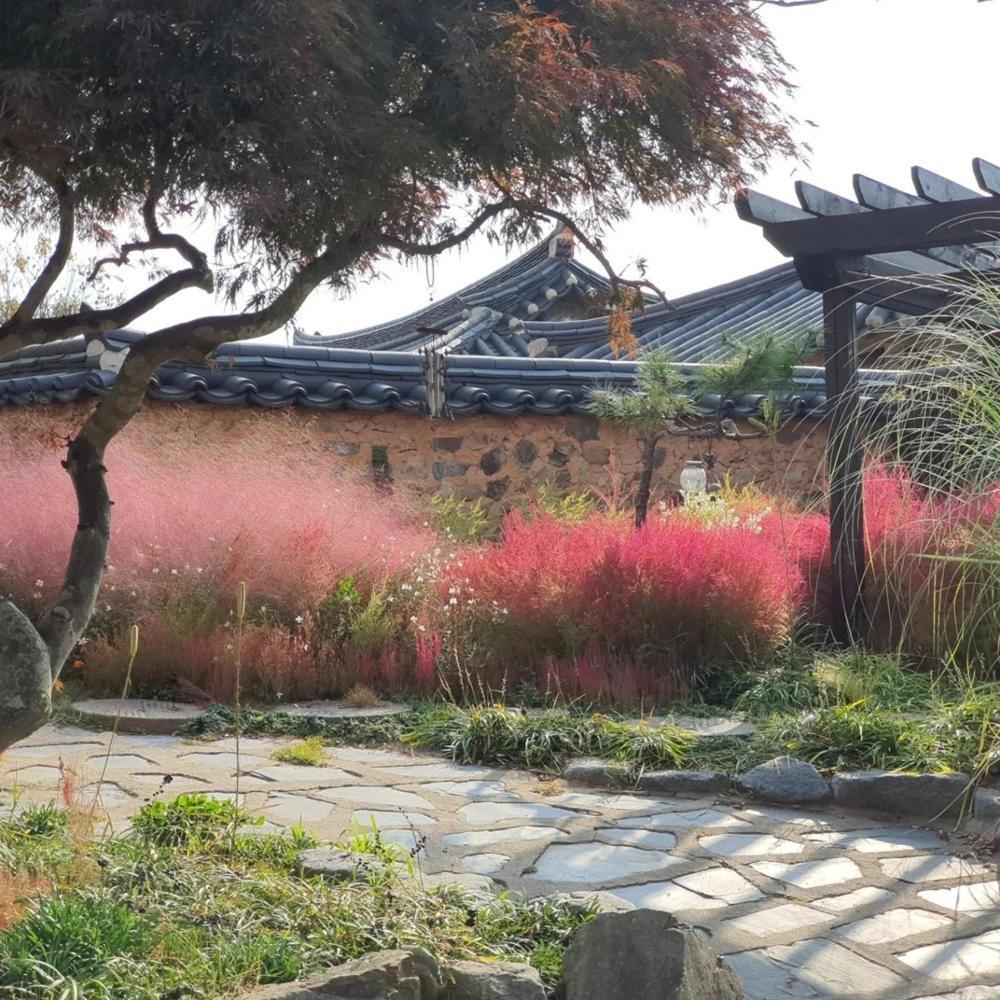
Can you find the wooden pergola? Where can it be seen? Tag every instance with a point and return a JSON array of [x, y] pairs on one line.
[[892, 248]]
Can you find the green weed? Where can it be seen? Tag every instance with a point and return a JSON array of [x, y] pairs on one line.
[[309, 752]]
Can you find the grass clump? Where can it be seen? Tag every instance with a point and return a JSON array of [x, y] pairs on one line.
[[220, 720], [84, 943], [309, 752], [176, 908], [496, 734]]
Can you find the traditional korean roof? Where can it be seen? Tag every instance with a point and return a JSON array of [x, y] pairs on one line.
[[530, 338], [317, 378]]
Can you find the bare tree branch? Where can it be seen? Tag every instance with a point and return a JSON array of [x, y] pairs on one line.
[[193, 340], [97, 321], [157, 240], [616, 280], [460, 236], [49, 275]]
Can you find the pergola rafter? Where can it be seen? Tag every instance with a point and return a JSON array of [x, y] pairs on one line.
[[889, 248]]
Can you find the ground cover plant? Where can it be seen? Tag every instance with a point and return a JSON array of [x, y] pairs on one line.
[[195, 901]]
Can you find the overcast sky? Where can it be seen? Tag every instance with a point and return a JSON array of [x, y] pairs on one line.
[[888, 84]]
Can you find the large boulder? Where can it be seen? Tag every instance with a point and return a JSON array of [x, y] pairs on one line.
[[644, 955], [409, 974], [786, 780], [492, 981], [25, 677]]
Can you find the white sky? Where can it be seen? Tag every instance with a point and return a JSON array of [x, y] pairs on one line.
[[888, 84]]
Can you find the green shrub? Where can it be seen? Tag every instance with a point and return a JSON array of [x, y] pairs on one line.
[[188, 819], [565, 506], [880, 679], [38, 820], [859, 736]]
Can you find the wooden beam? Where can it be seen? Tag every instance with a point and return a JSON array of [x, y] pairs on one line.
[[934, 187], [876, 195], [987, 175], [918, 227], [845, 461]]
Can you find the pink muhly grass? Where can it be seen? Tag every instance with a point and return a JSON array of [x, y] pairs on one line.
[[290, 528], [429, 646], [926, 592]]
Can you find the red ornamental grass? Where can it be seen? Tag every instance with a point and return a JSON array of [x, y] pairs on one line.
[[673, 589], [925, 588]]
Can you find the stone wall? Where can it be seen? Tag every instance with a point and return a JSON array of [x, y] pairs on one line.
[[499, 459]]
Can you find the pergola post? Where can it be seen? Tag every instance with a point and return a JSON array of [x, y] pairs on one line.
[[896, 251], [844, 458]]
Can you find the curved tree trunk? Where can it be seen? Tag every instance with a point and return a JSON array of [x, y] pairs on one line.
[[32, 657], [642, 494]]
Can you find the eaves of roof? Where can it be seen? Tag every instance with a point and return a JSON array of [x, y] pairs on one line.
[[274, 376]]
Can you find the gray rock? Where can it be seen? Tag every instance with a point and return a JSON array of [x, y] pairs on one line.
[[684, 782], [26, 699], [786, 780], [925, 795], [595, 772], [582, 901], [409, 974], [987, 804], [344, 448], [492, 981], [466, 881], [338, 866], [644, 955], [447, 470]]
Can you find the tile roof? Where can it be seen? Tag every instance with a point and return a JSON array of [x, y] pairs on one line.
[[317, 378], [488, 336]]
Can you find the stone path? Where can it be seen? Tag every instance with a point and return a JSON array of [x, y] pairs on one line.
[[803, 904]]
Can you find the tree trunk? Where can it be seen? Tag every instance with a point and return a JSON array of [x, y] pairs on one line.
[[31, 658], [642, 494]]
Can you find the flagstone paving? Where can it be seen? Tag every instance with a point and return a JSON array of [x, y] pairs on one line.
[[804, 904]]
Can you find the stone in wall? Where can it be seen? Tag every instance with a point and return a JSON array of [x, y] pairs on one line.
[[343, 448], [496, 489], [526, 453], [561, 453], [583, 429], [493, 461], [596, 454], [447, 470]]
